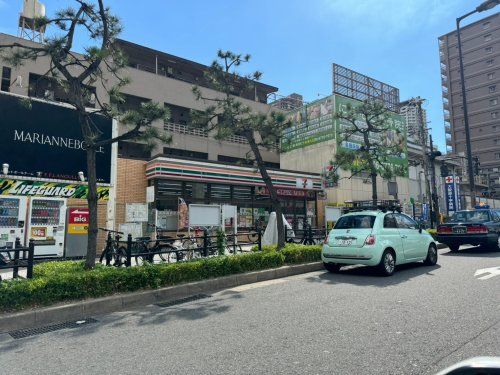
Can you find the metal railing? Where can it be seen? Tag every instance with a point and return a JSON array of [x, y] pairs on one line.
[[18, 257]]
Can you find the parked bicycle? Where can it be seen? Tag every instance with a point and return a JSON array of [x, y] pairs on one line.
[[164, 247], [114, 253]]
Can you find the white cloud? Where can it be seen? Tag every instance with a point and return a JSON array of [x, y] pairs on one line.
[[387, 16]]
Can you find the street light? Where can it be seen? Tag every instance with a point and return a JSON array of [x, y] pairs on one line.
[[487, 5]]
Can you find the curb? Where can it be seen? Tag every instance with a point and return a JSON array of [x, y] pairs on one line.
[[120, 302]]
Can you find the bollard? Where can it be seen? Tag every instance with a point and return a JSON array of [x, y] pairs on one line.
[[205, 242], [15, 270], [31, 254], [129, 251], [109, 244], [259, 238]]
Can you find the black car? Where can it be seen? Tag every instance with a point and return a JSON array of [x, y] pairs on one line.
[[471, 227]]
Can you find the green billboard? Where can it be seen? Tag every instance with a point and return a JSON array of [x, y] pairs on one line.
[[314, 123], [397, 132], [311, 124]]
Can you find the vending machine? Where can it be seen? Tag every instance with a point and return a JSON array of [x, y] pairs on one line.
[[47, 226], [12, 220]]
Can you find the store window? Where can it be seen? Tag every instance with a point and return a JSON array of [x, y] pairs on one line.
[[195, 191], [220, 192]]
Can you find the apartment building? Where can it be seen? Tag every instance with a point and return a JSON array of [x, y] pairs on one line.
[[481, 57]]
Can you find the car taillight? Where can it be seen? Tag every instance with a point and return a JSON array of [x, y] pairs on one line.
[[327, 239], [370, 240], [477, 229], [444, 229]]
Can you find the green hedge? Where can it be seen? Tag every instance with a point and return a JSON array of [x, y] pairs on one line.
[[295, 253], [64, 281]]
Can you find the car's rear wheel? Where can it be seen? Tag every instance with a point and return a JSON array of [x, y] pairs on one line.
[[387, 264], [332, 267], [454, 248], [432, 256]]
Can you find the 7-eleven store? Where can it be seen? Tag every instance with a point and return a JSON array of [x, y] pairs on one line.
[[216, 183]]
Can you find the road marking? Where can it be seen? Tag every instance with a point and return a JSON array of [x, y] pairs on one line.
[[258, 285], [488, 273]]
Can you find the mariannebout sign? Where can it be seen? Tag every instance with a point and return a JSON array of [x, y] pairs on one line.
[[30, 188], [43, 140]]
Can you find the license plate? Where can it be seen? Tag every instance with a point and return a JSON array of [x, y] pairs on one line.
[[345, 242], [459, 230]]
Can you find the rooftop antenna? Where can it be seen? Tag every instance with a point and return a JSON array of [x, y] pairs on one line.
[[28, 29]]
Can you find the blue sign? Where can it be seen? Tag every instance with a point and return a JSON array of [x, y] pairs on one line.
[[451, 199], [457, 188]]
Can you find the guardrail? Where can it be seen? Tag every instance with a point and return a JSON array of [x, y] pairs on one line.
[[179, 248], [18, 257]]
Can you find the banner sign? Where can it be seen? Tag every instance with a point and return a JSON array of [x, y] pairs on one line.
[[29, 188], [182, 214], [45, 140], [78, 221], [457, 188], [451, 203]]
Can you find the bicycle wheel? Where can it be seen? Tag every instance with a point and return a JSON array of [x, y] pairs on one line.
[[142, 249], [121, 257], [189, 247]]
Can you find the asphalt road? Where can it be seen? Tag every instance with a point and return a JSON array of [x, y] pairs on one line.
[[418, 321]]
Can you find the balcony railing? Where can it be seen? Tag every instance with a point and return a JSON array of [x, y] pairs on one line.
[[184, 129]]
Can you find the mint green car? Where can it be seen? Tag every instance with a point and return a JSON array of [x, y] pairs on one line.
[[377, 238]]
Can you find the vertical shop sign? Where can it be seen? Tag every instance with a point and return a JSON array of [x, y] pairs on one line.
[[451, 202], [182, 213]]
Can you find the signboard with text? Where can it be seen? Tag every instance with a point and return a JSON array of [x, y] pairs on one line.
[[29, 188], [451, 202], [78, 220], [44, 140]]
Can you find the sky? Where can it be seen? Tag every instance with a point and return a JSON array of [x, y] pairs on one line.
[[295, 42]]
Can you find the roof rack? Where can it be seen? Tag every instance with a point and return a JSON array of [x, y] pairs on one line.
[[378, 205]]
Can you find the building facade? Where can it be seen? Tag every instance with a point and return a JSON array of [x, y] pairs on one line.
[[195, 167], [481, 58]]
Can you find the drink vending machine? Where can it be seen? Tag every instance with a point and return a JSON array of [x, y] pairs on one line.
[[46, 225], [12, 220]]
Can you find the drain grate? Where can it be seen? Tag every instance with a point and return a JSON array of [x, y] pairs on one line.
[[183, 300], [22, 333]]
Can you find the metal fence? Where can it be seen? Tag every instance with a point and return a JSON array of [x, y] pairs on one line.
[[18, 257], [307, 236]]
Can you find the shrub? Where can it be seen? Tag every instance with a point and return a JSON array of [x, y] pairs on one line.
[[65, 281]]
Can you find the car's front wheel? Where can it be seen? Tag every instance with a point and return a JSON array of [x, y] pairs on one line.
[[332, 267], [387, 264], [432, 256]]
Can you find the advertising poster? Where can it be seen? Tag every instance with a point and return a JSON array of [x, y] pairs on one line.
[[395, 135], [182, 214], [311, 124]]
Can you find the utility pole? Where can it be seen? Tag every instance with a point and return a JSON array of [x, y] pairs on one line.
[[422, 132], [432, 157]]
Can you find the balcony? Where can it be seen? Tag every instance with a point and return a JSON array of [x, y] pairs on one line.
[[184, 129], [447, 127], [444, 89], [448, 141]]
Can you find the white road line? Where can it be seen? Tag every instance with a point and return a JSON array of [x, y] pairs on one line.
[[258, 285], [487, 272]]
